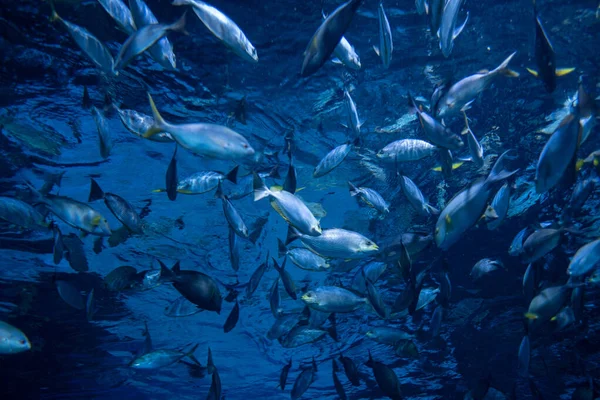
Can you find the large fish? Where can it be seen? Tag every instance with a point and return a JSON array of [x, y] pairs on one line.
[[465, 209], [204, 139], [327, 37], [545, 57], [448, 31], [161, 51], [336, 243], [223, 28]]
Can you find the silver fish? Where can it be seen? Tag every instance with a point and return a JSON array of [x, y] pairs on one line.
[[516, 246], [138, 123], [415, 197], [370, 197], [435, 131], [460, 95], [354, 123], [161, 51], [205, 181], [336, 243], [386, 335], [120, 13], [500, 205], [301, 335], [223, 28], [448, 31], [540, 243], [12, 339], [303, 258], [333, 159], [232, 215], [406, 150], [327, 37], [104, 139], [484, 267], [21, 214], [161, 358], [204, 139], [142, 39], [585, 260], [386, 45], [333, 299], [345, 53], [90, 45], [465, 209], [475, 148]]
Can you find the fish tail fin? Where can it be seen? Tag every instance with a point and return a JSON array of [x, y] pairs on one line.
[[281, 249], [353, 189], [292, 234], [432, 209], [231, 176], [260, 189], [175, 269], [159, 123], [190, 353], [96, 192], [504, 70], [164, 271], [210, 365], [499, 172], [179, 25]]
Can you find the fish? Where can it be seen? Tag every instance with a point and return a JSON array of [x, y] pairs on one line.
[[475, 148], [404, 150], [120, 278], [353, 121], [12, 339], [375, 299], [386, 335], [284, 374], [524, 357], [436, 321], [286, 279], [223, 28], [282, 326], [59, 248], [336, 243], [339, 388], [233, 217], [293, 210], [386, 378], [386, 45], [275, 298], [327, 37], [232, 319], [371, 271], [121, 208], [234, 250], [204, 181], [345, 54], [104, 139], [214, 393], [547, 303], [484, 267], [199, 288], [370, 197], [465, 209], [436, 12], [142, 39], [21, 214], [350, 369], [545, 56], [303, 381], [75, 252], [541, 242], [302, 335], [448, 31], [162, 358], [303, 258], [203, 139], [462, 94], [161, 51], [585, 260], [415, 197], [89, 44], [516, 246], [171, 179], [500, 205], [138, 123], [333, 299], [332, 160], [256, 277], [70, 294], [120, 13]]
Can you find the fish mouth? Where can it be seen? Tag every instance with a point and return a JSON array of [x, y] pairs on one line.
[[375, 247], [305, 298]]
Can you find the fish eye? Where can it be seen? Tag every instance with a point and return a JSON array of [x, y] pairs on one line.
[[22, 341], [244, 145]]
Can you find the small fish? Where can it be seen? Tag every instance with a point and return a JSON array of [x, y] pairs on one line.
[[120, 278], [303, 381], [275, 299], [162, 358], [586, 259], [293, 210], [120, 13], [70, 294], [104, 138], [59, 248], [282, 326], [223, 28], [541, 242], [386, 378], [302, 335], [234, 249], [233, 217], [345, 54], [120, 207], [256, 277], [545, 57], [327, 37], [460, 95], [484, 267], [333, 299], [547, 303], [350, 369], [303, 258], [374, 298], [204, 139], [500, 205], [516, 246], [214, 393], [89, 44], [142, 39], [138, 123], [232, 319], [564, 318], [415, 197], [12, 339], [161, 51], [171, 179], [386, 45], [336, 243], [371, 271], [448, 31], [370, 197], [332, 160], [475, 148], [284, 374], [530, 281], [353, 122], [406, 150], [286, 278]]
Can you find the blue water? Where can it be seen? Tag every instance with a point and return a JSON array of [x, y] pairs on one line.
[[45, 131]]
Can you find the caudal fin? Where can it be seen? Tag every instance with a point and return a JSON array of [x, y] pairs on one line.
[[499, 171], [179, 25], [281, 249], [232, 175], [260, 189], [292, 235], [96, 192], [159, 125], [504, 70], [353, 189]]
